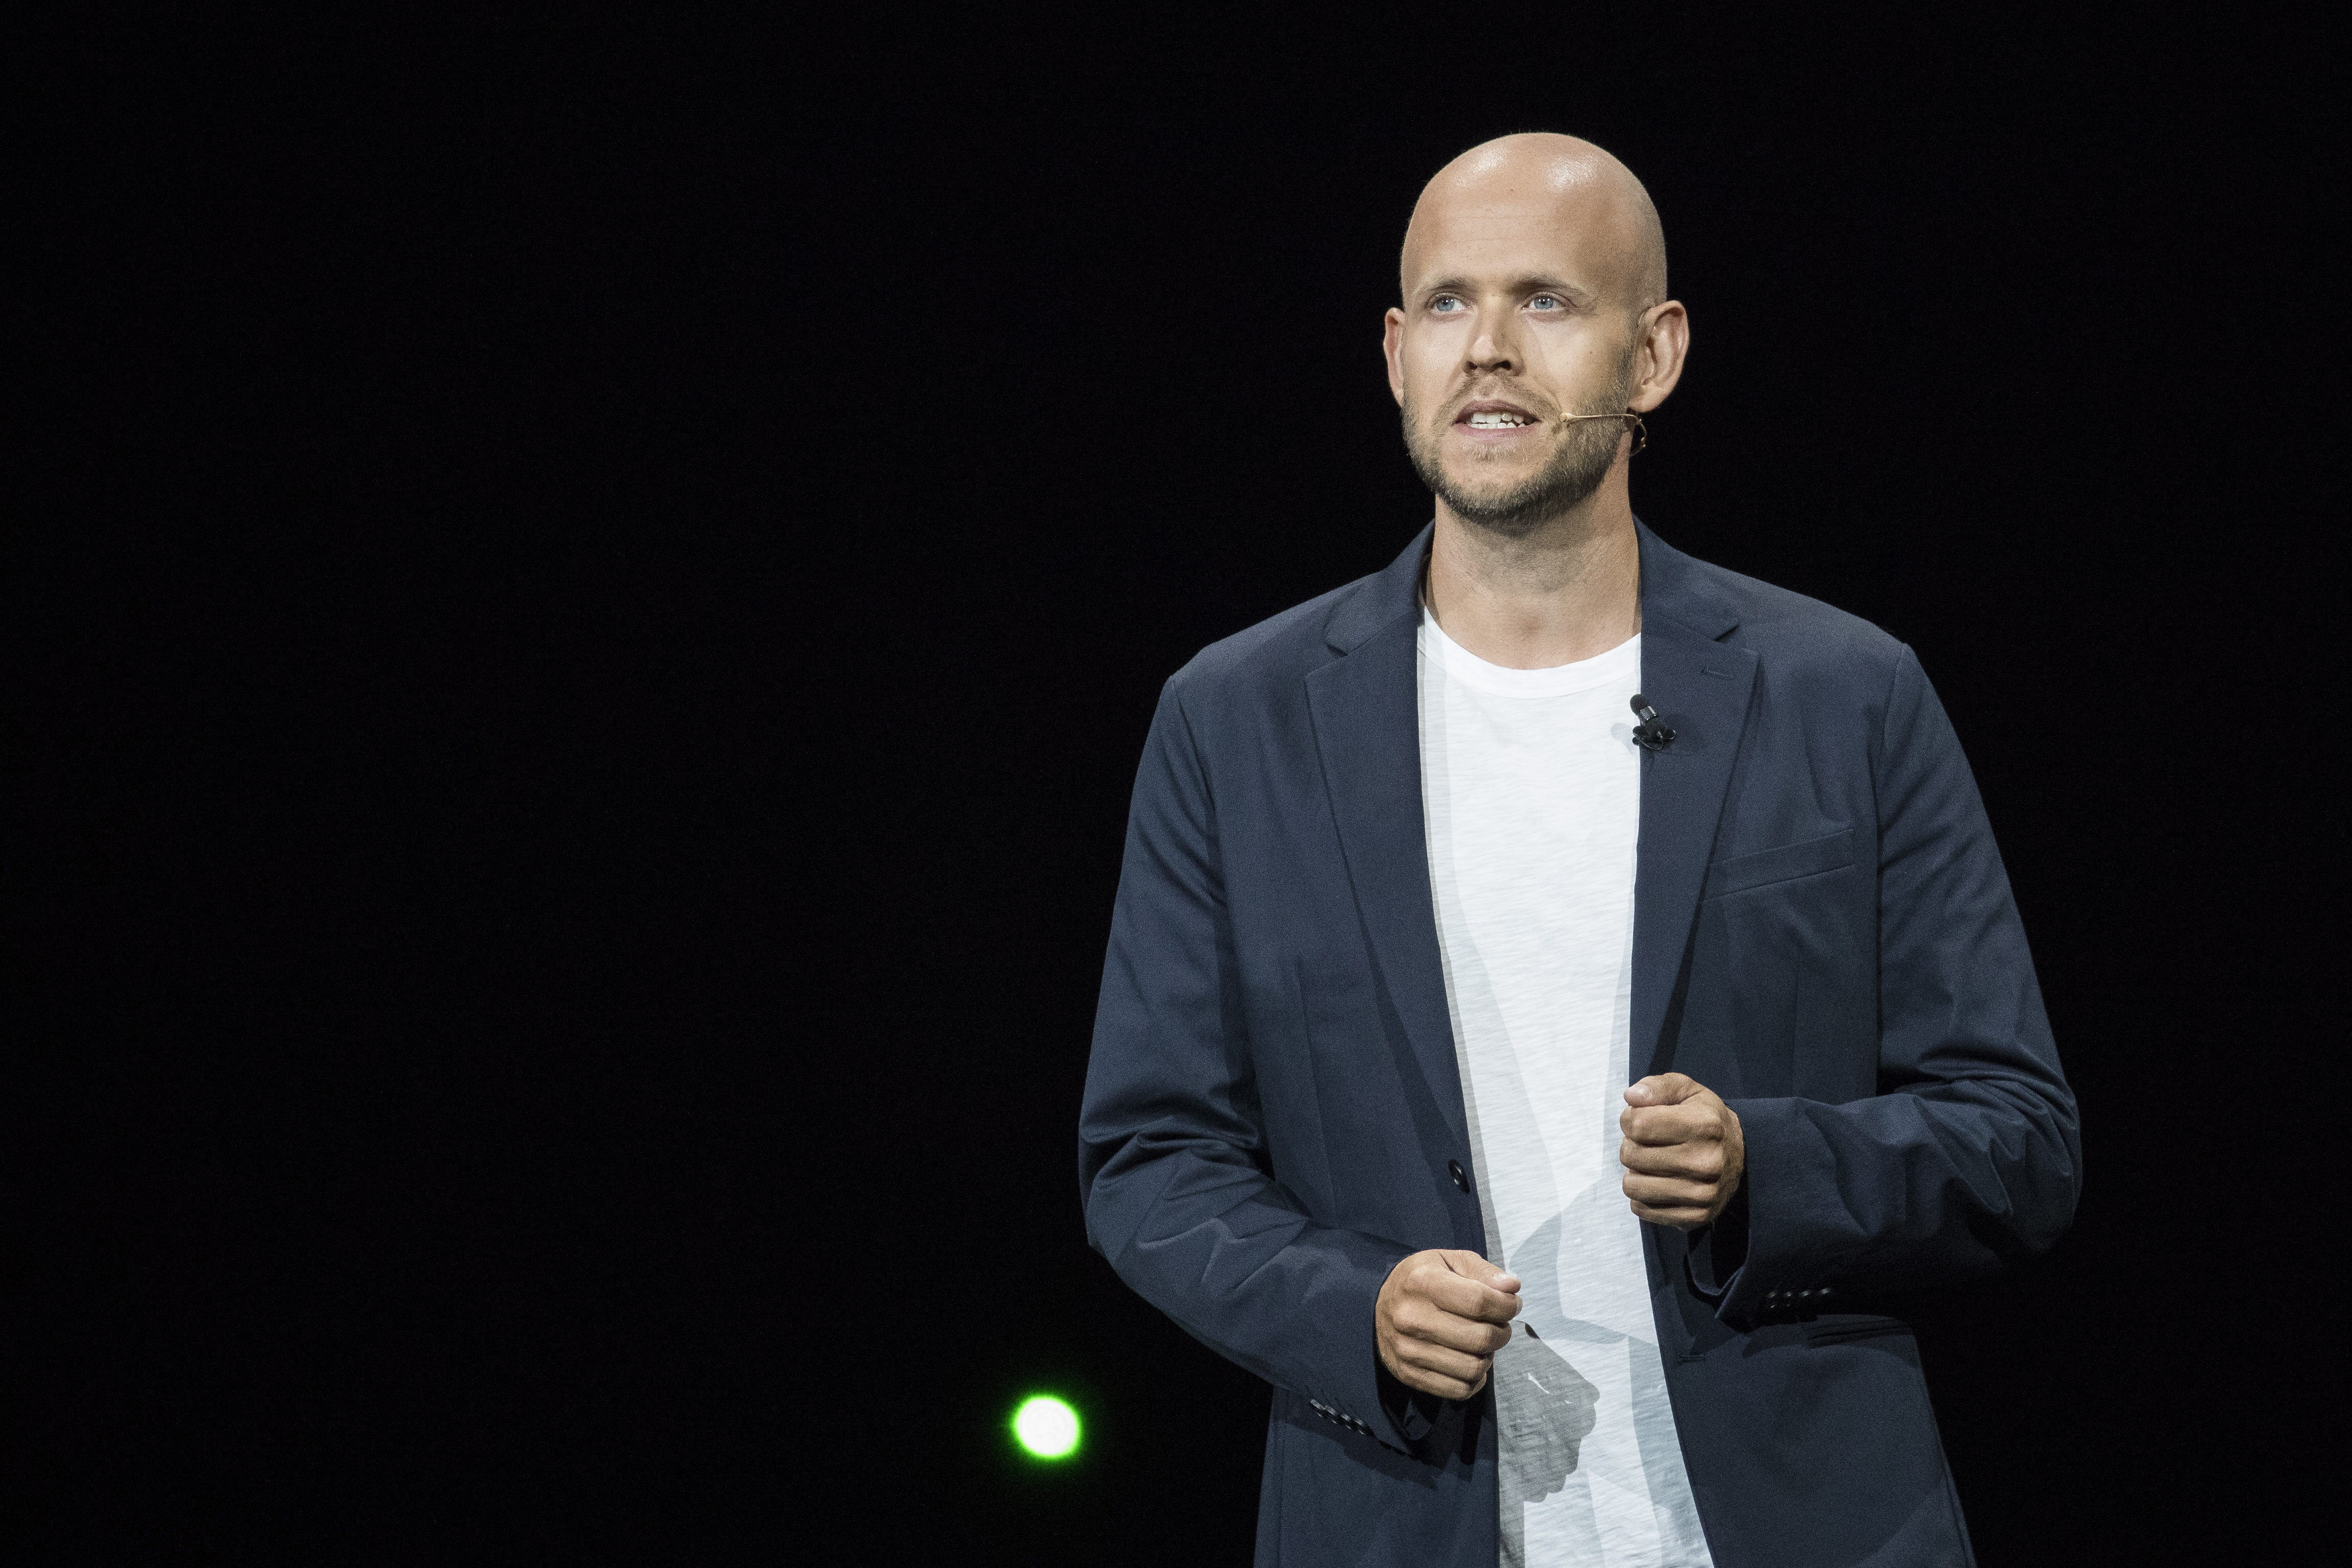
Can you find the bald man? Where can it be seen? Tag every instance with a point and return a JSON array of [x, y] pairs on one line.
[[1562, 995]]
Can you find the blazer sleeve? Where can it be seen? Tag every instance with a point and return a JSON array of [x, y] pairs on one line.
[[1970, 1152], [1173, 1166]]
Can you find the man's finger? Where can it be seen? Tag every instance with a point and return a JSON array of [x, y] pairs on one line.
[[1442, 1360], [1700, 1160], [1444, 1387], [1472, 1266], [1668, 1192], [1428, 1322], [1476, 1289], [1669, 1124], [1662, 1089], [1466, 1298]]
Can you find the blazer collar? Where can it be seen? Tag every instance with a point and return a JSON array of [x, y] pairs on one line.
[[1677, 588], [1674, 588], [1380, 600]]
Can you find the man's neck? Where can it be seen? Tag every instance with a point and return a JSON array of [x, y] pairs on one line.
[[1566, 591]]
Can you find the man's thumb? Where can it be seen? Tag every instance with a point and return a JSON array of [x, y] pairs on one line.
[[1662, 1088], [1485, 1273]]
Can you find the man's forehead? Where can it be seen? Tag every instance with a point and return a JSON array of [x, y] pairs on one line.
[[1510, 235]]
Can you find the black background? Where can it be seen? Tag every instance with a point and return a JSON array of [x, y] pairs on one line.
[[591, 601]]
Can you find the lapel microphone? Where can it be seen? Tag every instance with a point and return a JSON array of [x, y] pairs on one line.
[[1649, 733]]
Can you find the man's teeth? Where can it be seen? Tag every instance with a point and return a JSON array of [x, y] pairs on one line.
[[1499, 421]]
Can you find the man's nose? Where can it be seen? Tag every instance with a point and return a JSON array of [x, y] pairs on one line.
[[1495, 347]]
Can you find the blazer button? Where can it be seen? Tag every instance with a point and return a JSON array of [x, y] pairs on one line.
[[1454, 1169]]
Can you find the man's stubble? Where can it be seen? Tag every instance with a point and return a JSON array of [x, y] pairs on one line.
[[1577, 465]]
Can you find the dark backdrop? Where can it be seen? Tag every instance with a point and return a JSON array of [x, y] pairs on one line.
[[593, 598]]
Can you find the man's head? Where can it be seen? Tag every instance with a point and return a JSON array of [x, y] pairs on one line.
[[1534, 279]]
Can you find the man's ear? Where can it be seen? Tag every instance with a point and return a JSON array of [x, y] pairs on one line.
[[1664, 343], [1392, 345]]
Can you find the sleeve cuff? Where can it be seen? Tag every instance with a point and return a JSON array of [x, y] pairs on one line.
[[1414, 1413], [1715, 1253]]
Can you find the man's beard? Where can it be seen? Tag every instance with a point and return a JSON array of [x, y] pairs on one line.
[[1579, 463]]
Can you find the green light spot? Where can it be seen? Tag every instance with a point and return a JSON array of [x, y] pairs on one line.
[[1046, 1428]]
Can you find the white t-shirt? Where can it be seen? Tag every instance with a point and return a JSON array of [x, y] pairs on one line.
[[1533, 789]]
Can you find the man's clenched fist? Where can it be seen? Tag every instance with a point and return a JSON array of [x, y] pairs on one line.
[[1442, 1316], [1683, 1154]]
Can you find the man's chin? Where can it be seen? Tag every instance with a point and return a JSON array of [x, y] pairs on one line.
[[1487, 490], [1503, 506], [1483, 500], [1516, 511]]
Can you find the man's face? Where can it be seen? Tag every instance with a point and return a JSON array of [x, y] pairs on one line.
[[1507, 326]]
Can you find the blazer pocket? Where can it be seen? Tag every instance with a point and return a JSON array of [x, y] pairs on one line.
[[1846, 1328], [1809, 857]]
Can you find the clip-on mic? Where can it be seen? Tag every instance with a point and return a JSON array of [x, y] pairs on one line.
[[1649, 733]]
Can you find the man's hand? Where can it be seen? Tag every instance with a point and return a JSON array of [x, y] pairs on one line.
[[1682, 1152], [1442, 1316]]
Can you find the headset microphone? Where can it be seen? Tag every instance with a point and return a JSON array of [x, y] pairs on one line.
[[1649, 733], [1641, 431]]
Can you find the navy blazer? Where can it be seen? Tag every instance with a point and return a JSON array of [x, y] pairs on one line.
[[1822, 933]]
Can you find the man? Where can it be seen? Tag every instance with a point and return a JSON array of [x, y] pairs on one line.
[[1421, 874]]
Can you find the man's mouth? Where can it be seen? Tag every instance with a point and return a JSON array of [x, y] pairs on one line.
[[1492, 414]]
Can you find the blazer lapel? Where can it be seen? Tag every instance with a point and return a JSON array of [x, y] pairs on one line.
[[1367, 714], [1701, 688]]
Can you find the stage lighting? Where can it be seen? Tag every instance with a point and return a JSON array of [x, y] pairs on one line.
[[1046, 1427]]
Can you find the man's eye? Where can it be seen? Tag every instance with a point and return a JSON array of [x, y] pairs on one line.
[[1446, 305], [1545, 302]]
